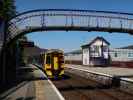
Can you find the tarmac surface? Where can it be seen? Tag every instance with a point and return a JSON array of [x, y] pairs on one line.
[[110, 71], [33, 85]]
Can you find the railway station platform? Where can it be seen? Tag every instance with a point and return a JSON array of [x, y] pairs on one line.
[[35, 86], [111, 76], [126, 73]]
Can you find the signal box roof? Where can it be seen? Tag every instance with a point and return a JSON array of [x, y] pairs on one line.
[[97, 38]]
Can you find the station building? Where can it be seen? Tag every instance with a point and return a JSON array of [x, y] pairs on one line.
[[122, 57], [99, 53], [96, 52]]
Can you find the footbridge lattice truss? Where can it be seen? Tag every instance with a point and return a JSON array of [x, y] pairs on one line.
[[62, 19]]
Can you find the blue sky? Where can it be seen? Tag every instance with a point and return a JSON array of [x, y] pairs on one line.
[[73, 40]]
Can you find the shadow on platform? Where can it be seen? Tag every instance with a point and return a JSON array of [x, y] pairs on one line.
[[12, 87]]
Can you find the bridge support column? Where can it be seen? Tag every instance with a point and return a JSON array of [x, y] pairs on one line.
[[2, 28]]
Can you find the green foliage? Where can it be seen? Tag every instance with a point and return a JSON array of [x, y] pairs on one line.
[[8, 9], [24, 38]]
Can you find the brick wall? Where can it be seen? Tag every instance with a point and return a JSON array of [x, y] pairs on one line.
[[122, 64]]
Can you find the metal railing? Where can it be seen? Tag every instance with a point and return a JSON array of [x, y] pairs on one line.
[[60, 19]]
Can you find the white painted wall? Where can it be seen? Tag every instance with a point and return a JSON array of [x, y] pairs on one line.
[[86, 56], [122, 54], [100, 43]]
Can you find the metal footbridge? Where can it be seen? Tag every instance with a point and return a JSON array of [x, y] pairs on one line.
[[69, 20]]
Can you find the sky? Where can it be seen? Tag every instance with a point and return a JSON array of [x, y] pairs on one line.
[[72, 40]]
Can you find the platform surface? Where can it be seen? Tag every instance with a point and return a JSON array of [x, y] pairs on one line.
[[35, 86], [111, 71]]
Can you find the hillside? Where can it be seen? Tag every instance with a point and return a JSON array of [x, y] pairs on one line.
[[32, 51]]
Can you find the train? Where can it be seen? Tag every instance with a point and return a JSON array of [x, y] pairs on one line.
[[53, 63]]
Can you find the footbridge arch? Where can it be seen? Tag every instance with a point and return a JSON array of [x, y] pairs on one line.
[[68, 20]]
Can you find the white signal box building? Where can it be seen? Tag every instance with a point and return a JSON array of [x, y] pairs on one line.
[[96, 53]]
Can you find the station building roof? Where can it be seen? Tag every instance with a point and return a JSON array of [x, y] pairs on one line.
[[97, 38]]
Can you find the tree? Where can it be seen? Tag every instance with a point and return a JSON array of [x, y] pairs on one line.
[[8, 9]]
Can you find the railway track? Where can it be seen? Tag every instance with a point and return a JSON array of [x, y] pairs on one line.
[[75, 87]]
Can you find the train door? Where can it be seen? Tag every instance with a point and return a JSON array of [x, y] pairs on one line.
[[55, 63]]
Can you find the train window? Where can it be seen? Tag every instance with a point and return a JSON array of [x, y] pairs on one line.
[[105, 48], [61, 59], [48, 60]]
